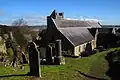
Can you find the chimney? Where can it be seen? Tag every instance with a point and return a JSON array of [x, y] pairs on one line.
[[60, 15]]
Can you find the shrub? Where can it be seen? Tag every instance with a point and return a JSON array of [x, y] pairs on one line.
[[84, 54], [10, 52], [1, 42], [94, 51]]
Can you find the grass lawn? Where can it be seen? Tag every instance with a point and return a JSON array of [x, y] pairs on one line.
[[94, 66], [8, 71]]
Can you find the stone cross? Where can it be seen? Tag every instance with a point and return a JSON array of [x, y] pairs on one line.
[[34, 60]]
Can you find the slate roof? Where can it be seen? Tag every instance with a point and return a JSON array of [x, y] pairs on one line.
[[62, 23], [76, 35], [75, 31]]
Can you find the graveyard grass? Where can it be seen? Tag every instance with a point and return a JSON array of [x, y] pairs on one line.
[[95, 66]]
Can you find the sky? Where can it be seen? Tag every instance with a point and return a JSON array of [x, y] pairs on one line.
[[35, 11]]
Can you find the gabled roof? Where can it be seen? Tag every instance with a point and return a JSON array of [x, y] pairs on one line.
[[76, 23], [76, 35]]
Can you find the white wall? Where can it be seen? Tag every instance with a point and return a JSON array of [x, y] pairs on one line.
[[93, 42], [81, 48]]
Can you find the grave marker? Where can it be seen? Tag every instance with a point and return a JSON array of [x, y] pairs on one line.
[[34, 60], [49, 55], [59, 59]]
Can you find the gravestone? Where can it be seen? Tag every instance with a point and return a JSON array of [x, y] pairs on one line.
[[24, 60], [59, 59], [49, 55], [34, 60], [42, 52]]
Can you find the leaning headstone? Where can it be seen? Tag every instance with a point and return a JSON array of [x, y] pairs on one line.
[[15, 58], [1, 59], [59, 59], [24, 60], [49, 55], [34, 60]]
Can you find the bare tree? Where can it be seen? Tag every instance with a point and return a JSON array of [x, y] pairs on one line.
[[19, 22]]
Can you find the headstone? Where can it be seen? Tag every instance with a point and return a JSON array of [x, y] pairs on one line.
[[15, 58], [34, 60], [53, 53], [42, 52], [24, 60], [0, 38], [1, 59], [59, 59], [49, 55]]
